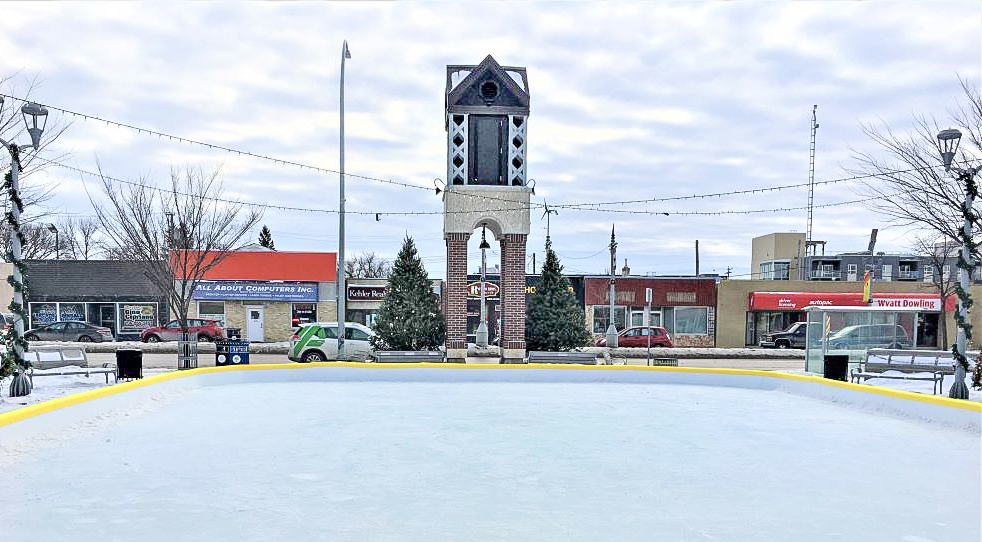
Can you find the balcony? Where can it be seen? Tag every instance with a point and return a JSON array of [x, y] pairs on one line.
[[825, 274], [908, 274]]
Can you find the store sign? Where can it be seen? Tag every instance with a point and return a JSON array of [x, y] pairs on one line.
[[794, 301], [256, 291], [490, 289], [137, 316], [43, 313], [72, 311], [366, 293]]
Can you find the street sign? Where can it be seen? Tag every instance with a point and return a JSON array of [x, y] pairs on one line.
[[872, 240], [647, 296]]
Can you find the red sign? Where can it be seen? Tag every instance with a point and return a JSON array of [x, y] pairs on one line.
[[474, 289], [795, 301]]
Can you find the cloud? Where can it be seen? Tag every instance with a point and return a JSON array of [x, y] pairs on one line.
[[628, 102]]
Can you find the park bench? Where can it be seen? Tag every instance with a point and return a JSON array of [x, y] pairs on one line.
[[408, 356], [585, 358], [936, 362], [69, 360]]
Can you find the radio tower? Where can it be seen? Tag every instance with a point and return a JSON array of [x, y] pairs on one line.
[[811, 179]]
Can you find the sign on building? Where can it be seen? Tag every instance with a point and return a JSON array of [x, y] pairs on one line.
[[256, 291]]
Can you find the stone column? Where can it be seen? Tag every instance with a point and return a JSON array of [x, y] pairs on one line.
[[513, 296], [455, 297]]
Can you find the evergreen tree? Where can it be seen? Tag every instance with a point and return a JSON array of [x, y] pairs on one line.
[[554, 321], [266, 238], [410, 317]]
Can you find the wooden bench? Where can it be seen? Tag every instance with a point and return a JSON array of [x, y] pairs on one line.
[[71, 360], [663, 362], [409, 356], [585, 358], [936, 362]]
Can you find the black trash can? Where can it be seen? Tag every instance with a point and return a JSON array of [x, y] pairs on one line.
[[231, 352], [233, 332], [836, 367], [129, 364]]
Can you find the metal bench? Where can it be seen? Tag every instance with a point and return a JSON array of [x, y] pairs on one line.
[[71, 360], [409, 356], [585, 358], [937, 362], [663, 362]]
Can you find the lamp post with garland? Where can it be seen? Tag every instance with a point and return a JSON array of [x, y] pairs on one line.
[[948, 145], [35, 117]]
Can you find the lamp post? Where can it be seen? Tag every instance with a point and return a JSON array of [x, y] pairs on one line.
[[35, 117], [482, 327], [948, 145], [612, 328], [54, 229], [342, 294]]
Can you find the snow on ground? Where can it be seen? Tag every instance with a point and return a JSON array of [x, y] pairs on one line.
[[497, 461], [923, 386], [52, 387]]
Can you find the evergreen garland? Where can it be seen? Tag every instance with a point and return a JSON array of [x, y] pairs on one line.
[[964, 298], [554, 321], [12, 362], [410, 317]]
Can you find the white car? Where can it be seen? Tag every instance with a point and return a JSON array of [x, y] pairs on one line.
[[319, 342]]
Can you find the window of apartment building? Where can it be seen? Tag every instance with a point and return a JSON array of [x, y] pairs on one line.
[[601, 319], [852, 269], [691, 320], [775, 270], [212, 310], [946, 272], [303, 313]]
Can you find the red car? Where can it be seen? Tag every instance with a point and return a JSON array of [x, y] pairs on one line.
[[638, 337], [204, 330]]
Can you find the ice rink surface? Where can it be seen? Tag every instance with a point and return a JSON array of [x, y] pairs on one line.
[[471, 461]]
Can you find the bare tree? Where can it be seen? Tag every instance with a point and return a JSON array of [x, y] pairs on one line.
[[940, 254], [178, 233], [367, 266], [79, 238], [910, 184]]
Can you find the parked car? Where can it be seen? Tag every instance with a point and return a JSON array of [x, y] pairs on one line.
[[793, 337], [69, 331], [8, 321], [319, 342], [869, 336], [638, 337], [203, 330]]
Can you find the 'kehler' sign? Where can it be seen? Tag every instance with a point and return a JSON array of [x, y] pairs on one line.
[[257, 291]]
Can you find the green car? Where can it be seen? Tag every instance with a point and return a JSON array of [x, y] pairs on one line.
[[319, 342]]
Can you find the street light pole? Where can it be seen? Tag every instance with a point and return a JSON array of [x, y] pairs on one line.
[[54, 229], [481, 340], [948, 145], [612, 328], [20, 386], [345, 54]]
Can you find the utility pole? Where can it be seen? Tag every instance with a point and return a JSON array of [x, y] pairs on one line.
[[612, 328], [697, 257], [342, 294], [811, 175], [533, 254]]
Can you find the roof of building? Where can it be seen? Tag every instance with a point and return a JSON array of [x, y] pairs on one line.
[[273, 265], [86, 278]]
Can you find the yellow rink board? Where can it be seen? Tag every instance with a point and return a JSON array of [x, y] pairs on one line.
[[67, 401]]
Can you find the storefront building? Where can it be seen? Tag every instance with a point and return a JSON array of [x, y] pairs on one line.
[[751, 309], [685, 306], [266, 294], [365, 297], [113, 294]]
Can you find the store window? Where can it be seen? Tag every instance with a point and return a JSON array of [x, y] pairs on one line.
[[691, 320], [43, 313], [71, 311], [637, 318], [303, 313], [601, 318], [212, 310]]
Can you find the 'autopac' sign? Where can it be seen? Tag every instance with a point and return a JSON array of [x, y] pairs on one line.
[[257, 291]]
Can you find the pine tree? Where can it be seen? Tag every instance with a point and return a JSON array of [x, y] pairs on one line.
[[554, 321], [266, 238], [410, 317]]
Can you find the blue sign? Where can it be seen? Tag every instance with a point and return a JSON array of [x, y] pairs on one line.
[[257, 291]]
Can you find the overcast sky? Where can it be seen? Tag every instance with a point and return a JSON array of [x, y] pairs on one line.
[[628, 101]]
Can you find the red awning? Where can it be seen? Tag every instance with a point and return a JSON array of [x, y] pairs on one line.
[[795, 301]]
